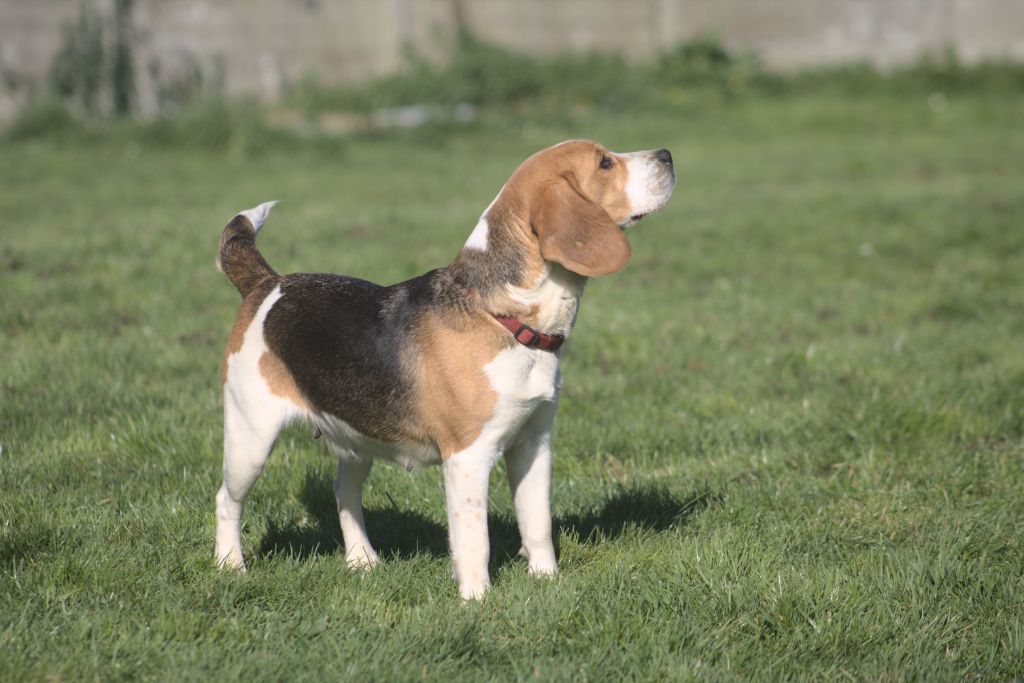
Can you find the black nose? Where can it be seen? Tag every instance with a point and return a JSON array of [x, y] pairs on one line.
[[664, 156]]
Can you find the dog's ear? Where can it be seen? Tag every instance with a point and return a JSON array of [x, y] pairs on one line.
[[577, 233]]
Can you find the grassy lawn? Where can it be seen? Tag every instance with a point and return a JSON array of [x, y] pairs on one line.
[[790, 444]]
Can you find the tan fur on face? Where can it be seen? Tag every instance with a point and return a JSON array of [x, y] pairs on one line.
[[563, 207], [456, 397], [578, 163], [578, 234], [604, 187], [280, 380]]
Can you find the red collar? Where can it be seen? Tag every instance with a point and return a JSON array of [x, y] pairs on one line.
[[527, 336]]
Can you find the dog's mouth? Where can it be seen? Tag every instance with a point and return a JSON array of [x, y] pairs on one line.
[[660, 198], [634, 219]]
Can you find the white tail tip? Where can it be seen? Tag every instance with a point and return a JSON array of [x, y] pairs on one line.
[[258, 214]]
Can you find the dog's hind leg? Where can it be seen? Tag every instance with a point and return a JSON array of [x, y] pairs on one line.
[[348, 490], [248, 440], [259, 399]]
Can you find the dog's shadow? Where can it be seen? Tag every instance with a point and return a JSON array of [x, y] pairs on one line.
[[402, 534]]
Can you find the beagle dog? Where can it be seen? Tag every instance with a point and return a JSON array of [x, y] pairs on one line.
[[456, 367]]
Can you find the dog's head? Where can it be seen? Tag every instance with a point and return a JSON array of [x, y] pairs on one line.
[[581, 197]]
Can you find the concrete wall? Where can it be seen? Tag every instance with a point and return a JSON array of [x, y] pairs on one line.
[[257, 47], [786, 33]]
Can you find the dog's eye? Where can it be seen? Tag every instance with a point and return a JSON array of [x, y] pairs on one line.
[[606, 162]]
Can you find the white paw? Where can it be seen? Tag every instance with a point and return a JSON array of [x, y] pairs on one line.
[[541, 560], [473, 590], [542, 568], [361, 558], [231, 561]]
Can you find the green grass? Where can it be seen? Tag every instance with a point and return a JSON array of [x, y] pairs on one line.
[[790, 444]]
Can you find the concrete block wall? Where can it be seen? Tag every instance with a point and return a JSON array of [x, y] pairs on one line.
[[258, 47]]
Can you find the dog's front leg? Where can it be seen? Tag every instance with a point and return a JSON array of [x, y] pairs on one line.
[[465, 482], [529, 477]]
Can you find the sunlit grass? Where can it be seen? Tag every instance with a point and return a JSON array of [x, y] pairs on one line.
[[790, 442]]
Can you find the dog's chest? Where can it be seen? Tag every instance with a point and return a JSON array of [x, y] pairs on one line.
[[522, 378]]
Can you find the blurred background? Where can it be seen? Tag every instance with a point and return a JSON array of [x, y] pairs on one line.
[[149, 57]]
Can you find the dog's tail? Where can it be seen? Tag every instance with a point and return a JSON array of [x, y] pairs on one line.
[[238, 257]]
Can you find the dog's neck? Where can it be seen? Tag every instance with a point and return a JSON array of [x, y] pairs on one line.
[[551, 301], [501, 269]]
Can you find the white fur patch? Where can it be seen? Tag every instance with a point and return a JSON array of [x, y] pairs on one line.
[[523, 379], [650, 183], [556, 296], [344, 439], [245, 383], [465, 483], [529, 476], [253, 416], [478, 239], [258, 214]]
